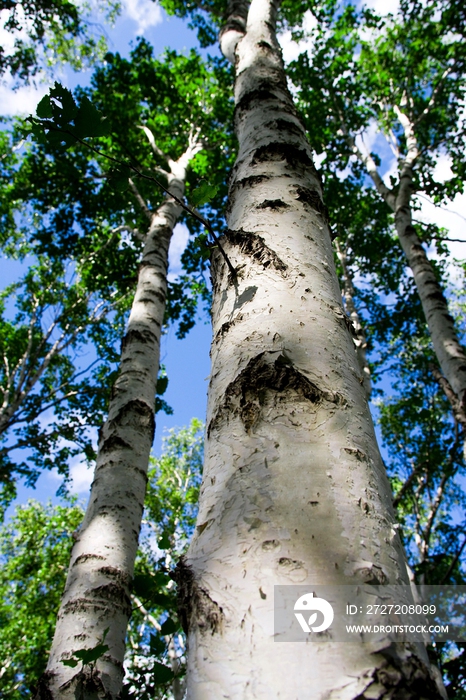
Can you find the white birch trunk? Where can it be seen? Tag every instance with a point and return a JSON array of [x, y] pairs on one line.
[[294, 488], [449, 351], [97, 591]]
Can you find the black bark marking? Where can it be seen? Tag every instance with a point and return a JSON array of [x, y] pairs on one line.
[[134, 411], [261, 94], [273, 204], [114, 593], [117, 574], [273, 152], [195, 607], [114, 443], [43, 691], [137, 336], [311, 198], [403, 676], [253, 245], [265, 45], [247, 394], [286, 125], [84, 604], [437, 295], [264, 92], [250, 181], [290, 563], [87, 557]]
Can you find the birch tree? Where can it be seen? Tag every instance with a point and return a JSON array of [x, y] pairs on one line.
[[96, 598], [406, 77], [108, 536], [287, 421]]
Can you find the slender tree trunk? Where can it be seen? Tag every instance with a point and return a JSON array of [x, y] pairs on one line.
[[449, 351], [294, 488], [97, 592]]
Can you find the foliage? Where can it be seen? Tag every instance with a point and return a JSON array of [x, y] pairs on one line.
[[76, 214], [156, 648], [47, 31], [34, 555], [52, 390]]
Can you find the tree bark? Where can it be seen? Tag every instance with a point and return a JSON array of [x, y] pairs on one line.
[[449, 351], [97, 592], [294, 488], [358, 332]]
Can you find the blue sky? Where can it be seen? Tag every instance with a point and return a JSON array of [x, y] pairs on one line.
[[187, 361]]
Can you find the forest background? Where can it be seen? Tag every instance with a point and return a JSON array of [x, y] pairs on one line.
[[418, 403]]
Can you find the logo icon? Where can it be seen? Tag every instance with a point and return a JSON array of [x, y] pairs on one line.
[[307, 603]]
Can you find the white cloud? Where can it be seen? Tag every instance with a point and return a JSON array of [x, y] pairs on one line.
[[383, 7], [23, 101], [177, 246], [292, 49], [145, 13], [81, 477]]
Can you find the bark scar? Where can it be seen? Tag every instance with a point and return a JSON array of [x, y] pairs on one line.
[[254, 246], [195, 606], [267, 372]]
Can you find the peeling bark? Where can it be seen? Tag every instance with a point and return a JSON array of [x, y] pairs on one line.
[[97, 591], [294, 489]]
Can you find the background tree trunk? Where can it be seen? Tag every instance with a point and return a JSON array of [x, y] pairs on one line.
[[97, 592], [294, 487]]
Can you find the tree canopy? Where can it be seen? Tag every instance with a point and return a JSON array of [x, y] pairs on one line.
[[381, 98]]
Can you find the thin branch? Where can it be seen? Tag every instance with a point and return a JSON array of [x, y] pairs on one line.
[[453, 563], [142, 175], [434, 95], [415, 472], [367, 160], [438, 206], [140, 200], [133, 231], [150, 137]]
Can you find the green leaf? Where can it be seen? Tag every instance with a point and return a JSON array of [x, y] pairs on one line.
[[156, 645], [162, 674], [169, 626], [119, 178], [89, 656], [164, 542], [70, 662], [162, 383], [89, 120], [68, 105], [203, 194], [44, 108]]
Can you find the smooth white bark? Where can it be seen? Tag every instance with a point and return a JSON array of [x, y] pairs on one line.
[[294, 489], [97, 592]]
